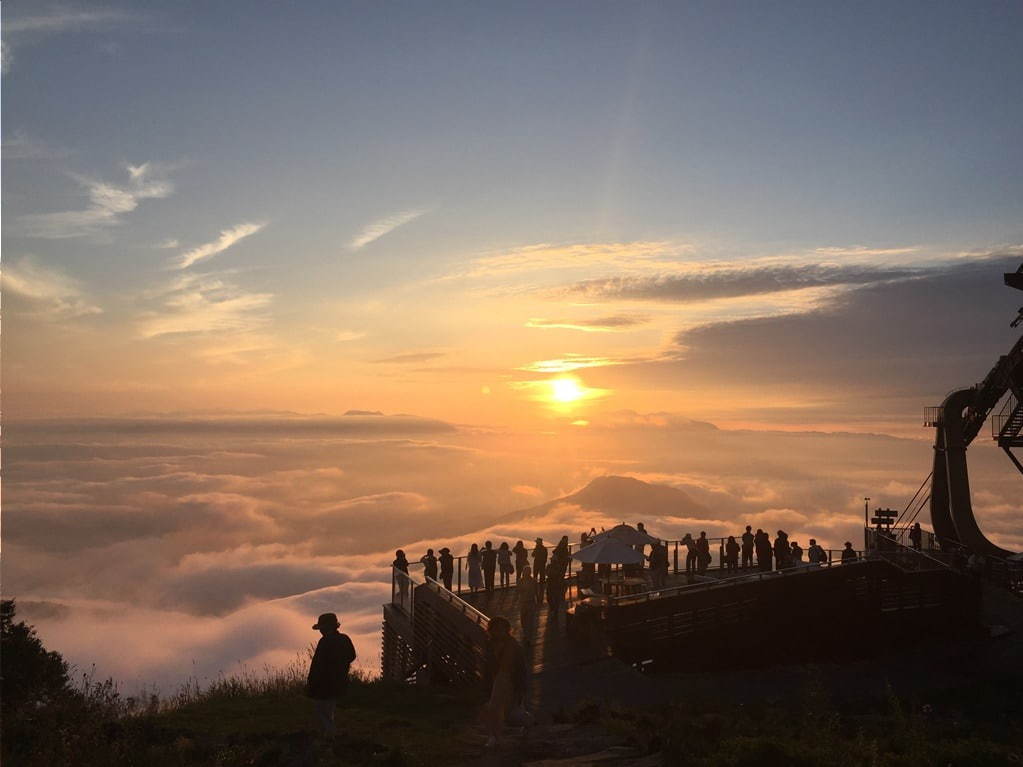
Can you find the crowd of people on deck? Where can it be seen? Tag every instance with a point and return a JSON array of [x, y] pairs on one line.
[[543, 572]]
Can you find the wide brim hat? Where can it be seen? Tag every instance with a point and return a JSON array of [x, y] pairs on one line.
[[445, 550], [326, 621]]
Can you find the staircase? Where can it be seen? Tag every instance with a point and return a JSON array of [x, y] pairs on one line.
[[1008, 424]]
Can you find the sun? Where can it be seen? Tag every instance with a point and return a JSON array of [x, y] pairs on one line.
[[566, 389]]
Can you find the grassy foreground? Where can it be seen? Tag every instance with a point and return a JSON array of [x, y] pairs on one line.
[[52, 716]]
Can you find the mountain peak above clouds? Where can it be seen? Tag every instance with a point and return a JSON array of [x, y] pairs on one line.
[[624, 498]]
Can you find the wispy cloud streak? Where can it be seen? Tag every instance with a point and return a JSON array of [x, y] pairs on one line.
[[201, 303], [108, 204], [708, 282], [614, 324], [383, 226], [227, 238], [52, 292]]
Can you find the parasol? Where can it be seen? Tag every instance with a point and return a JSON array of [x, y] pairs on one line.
[[626, 534], [609, 551]]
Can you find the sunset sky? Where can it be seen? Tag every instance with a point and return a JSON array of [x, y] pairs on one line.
[[439, 208], [565, 239]]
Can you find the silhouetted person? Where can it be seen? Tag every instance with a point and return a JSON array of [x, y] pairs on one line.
[[782, 552], [848, 553], [540, 561], [762, 544], [488, 560], [526, 589], [504, 564], [816, 554], [328, 672], [658, 560], [401, 563], [447, 567], [692, 555], [555, 586], [521, 558], [473, 562], [732, 553], [916, 535], [747, 547], [429, 564], [796, 554], [703, 553], [505, 676], [560, 556]]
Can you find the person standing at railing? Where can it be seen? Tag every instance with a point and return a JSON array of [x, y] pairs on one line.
[[816, 554], [429, 565], [504, 564], [732, 554], [472, 565], [848, 553], [782, 552], [401, 564], [659, 564], [540, 561], [447, 567], [692, 555], [703, 553], [560, 557], [762, 543], [796, 554], [916, 535], [747, 547], [488, 558], [521, 559]]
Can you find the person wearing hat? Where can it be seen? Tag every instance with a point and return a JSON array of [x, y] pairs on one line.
[[328, 672]]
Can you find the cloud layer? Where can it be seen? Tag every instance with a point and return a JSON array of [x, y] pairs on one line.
[[233, 533]]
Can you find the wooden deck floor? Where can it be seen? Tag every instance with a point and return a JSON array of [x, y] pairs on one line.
[[564, 671]]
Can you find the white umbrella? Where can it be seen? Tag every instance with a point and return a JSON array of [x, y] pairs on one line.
[[609, 551], [626, 534]]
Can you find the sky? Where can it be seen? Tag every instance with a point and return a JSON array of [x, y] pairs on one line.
[[541, 241]]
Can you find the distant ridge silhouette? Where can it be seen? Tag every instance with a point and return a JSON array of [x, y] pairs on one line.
[[626, 498]]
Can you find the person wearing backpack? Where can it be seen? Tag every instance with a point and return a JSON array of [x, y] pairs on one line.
[[328, 672]]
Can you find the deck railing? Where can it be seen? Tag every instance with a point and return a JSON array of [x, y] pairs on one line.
[[677, 552]]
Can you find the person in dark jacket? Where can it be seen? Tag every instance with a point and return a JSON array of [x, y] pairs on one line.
[[916, 535], [328, 672], [692, 554], [400, 563], [447, 567], [488, 561], [731, 554], [747, 547], [848, 553], [782, 552], [540, 562], [521, 559], [429, 565], [702, 553], [762, 543]]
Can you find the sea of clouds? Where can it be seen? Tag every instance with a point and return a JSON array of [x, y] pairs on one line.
[[163, 549]]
